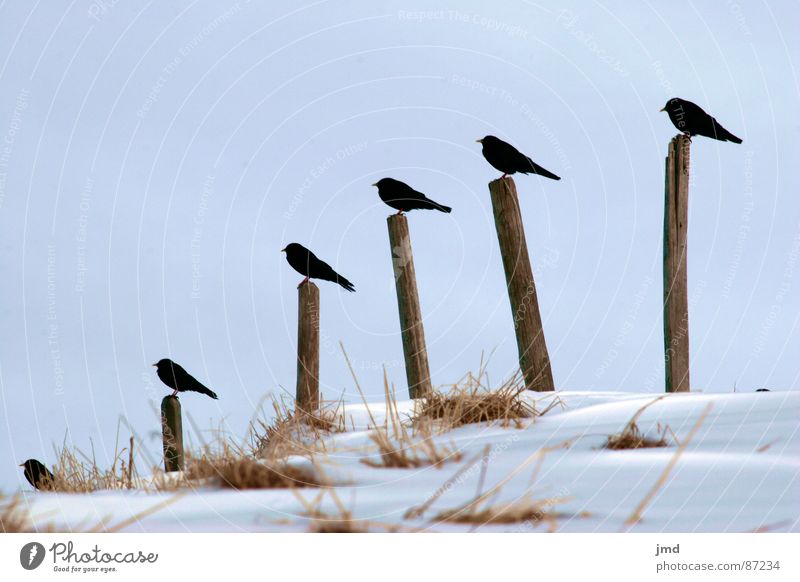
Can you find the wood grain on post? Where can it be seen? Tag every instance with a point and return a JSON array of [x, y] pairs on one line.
[[534, 361], [172, 432], [418, 373], [307, 392], [676, 303]]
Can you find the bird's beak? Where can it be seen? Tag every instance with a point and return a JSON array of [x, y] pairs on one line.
[[155, 365], [479, 140], [375, 184], [21, 465], [662, 109], [283, 250]]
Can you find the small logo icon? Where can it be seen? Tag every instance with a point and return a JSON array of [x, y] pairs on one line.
[[31, 555]]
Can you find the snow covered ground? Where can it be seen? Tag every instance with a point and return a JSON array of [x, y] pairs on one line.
[[739, 473]]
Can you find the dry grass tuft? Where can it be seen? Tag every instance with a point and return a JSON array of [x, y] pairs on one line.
[[78, 472], [13, 517], [471, 402], [531, 511], [398, 447], [636, 516], [522, 510], [248, 473], [298, 432], [631, 437], [340, 522]]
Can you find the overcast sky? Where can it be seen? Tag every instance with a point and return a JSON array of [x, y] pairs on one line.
[[156, 156]]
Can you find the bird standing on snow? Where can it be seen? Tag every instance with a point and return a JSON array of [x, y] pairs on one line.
[[307, 264], [692, 120], [179, 379], [38, 475], [506, 158], [403, 197]]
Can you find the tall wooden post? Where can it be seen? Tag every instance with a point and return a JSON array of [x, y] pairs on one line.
[[534, 361], [418, 374], [172, 433], [676, 304], [307, 392]]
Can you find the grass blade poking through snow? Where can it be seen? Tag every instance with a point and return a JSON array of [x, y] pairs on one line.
[[636, 516]]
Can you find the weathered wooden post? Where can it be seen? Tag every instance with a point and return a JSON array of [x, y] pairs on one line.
[[172, 432], [418, 374], [534, 361], [676, 304], [307, 392]]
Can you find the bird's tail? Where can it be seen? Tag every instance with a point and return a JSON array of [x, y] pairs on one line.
[[726, 135], [207, 392], [345, 283], [443, 208], [537, 169]]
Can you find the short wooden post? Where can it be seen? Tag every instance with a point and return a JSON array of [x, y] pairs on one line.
[[418, 373], [676, 304], [534, 361], [307, 392], [172, 431]]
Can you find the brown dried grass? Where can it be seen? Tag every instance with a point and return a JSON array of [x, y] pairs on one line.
[[247, 473], [631, 437], [399, 446], [14, 518], [298, 432], [78, 472], [471, 401], [478, 511]]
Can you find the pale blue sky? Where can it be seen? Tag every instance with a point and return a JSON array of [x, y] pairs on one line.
[[155, 157]]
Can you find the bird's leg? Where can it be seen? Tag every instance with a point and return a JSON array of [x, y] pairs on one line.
[[504, 176], [399, 213], [174, 393], [303, 282]]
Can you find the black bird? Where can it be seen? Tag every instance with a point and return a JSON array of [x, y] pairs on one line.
[[179, 379], [403, 197], [692, 120], [307, 264], [38, 475], [506, 158]]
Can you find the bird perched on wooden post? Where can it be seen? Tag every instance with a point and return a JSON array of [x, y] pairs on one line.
[[307, 264], [179, 379], [507, 159], [692, 120], [38, 475], [403, 197]]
